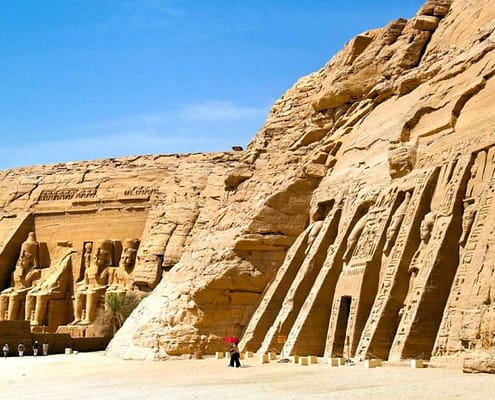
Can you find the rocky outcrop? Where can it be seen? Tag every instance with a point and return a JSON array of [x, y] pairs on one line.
[[358, 222], [321, 240]]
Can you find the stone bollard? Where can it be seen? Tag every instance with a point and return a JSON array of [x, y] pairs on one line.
[[372, 363], [303, 361], [219, 354], [312, 360], [272, 356], [336, 361], [263, 358], [294, 359], [417, 364], [248, 354]]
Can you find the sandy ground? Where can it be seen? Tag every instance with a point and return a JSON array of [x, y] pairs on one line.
[[97, 376]]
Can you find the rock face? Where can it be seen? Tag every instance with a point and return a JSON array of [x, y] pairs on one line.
[[359, 222]]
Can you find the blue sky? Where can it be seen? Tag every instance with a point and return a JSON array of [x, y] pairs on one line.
[[88, 79]]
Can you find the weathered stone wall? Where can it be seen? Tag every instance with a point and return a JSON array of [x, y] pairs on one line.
[[359, 213], [357, 223], [157, 201]]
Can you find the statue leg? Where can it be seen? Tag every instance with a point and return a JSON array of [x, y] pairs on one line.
[[30, 303], [91, 305], [78, 307], [14, 306], [4, 304], [40, 311]]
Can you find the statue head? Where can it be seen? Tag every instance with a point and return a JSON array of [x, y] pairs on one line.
[[128, 258], [427, 226], [103, 254], [29, 251]]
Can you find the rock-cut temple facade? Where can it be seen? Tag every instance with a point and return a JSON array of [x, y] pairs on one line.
[[359, 222]]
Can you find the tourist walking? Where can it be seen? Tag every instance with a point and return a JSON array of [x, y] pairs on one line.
[[36, 347], [5, 350], [44, 348], [20, 349], [234, 356]]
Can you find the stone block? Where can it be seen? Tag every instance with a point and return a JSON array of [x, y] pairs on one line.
[[272, 356], [263, 358], [313, 360], [248, 354], [426, 23], [294, 359], [373, 363], [336, 361], [68, 350], [417, 364], [219, 354], [303, 361]]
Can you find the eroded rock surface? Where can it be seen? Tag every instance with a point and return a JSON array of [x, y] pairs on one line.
[[358, 222]]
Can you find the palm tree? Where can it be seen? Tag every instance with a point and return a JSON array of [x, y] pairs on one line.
[[118, 306]]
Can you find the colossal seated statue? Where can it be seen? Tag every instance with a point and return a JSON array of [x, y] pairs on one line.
[[56, 285], [121, 278], [91, 289], [26, 272]]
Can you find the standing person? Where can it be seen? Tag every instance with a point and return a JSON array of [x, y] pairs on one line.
[[44, 348], [36, 347], [5, 349], [234, 356], [20, 349]]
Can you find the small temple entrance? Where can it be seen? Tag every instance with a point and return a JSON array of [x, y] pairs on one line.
[[341, 329]]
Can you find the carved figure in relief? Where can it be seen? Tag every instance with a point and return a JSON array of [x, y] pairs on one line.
[[419, 256], [467, 220], [91, 289], [396, 223], [55, 286], [25, 274], [121, 279], [313, 233], [354, 237], [88, 248]]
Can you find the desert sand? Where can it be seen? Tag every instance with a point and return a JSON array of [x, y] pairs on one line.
[[98, 376]]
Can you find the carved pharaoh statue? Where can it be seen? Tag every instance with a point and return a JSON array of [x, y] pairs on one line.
[[25, 274], [91, 289], [121, 279], [54, 286]]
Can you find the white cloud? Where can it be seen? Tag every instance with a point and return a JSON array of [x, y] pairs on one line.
[[215, 110], [201, 127]]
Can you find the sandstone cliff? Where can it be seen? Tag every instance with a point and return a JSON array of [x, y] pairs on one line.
[[358, 222]]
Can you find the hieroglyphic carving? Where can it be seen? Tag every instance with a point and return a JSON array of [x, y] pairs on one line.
[[450, 180], [448, 150], [140, 191], [304, 279], [394, 252], [456, 329], [67, 194]]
